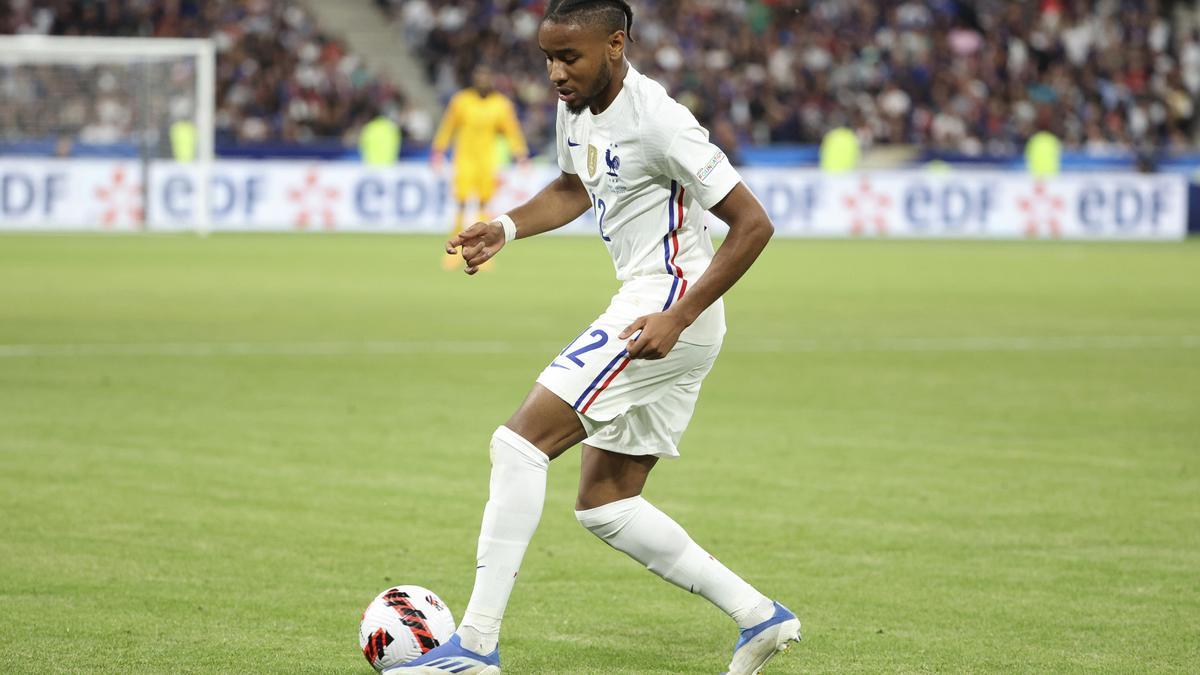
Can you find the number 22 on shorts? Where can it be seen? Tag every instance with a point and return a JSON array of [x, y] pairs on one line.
[[599, 339]]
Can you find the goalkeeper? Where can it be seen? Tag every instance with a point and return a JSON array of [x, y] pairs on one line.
[[475, 120]]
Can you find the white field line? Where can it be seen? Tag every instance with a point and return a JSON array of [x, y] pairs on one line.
[[975, 344], [420, 347]]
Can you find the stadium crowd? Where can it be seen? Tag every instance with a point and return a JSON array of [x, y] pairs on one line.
[[279, 77], [962, 77]]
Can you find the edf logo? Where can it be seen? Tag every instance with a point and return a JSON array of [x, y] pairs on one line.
[[377, 199], [1122, 207], [232, 197], [23, 195], [950, 207], [790, 204]]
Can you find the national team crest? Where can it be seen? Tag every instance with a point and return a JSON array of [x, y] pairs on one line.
[[613, 162], [593, 159]]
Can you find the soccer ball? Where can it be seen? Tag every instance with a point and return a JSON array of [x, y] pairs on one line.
[[401, 624]]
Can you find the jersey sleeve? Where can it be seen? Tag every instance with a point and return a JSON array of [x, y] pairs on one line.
[[511, 128], [441, 141], [560, 133], [690, 158]]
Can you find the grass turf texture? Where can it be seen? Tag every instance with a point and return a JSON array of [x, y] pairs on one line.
[[905, 442]]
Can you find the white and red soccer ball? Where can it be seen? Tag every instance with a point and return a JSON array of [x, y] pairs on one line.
[[401, 624]]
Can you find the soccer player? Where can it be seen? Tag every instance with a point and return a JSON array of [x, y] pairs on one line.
[[627, 386], [474, 120]]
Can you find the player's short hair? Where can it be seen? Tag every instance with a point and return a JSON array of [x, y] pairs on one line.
[[612, 15]]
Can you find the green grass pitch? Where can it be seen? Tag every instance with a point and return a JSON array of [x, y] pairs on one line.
[[946, 457]]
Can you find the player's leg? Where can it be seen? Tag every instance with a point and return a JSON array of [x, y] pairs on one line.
[[615, 464], [454, 262], [485, 188], [583, 377], [542, 428], [606, 477], [486, 182], [463, 189], [547, 422], [460, 217], [610, 505]]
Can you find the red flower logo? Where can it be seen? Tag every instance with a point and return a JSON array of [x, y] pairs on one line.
[[313, 202], [122, 197], [868, 208], [1042, 210]]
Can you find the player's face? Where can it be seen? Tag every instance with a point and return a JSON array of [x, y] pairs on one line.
[[482, 80], [579, 61]]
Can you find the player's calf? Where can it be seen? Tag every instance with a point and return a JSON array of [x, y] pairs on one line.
[[635, 527]]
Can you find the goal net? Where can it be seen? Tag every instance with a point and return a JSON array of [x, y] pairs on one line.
[[108, 108]]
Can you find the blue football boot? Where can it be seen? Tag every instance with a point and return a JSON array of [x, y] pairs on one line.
[[450, 657], [757, 644]]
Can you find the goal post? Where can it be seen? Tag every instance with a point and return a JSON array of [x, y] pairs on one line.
[[113, 97]]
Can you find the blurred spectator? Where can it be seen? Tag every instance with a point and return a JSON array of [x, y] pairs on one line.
[[379, 141], [279, 78], [969, 77]]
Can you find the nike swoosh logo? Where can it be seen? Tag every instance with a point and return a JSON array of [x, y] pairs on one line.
[[572, 144], [481, 567]]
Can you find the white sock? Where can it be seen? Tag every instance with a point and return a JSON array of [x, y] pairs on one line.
[[650, 537], [514, 507]]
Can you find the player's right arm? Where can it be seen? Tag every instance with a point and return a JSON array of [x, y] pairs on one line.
[[559, 203], [562, 201]]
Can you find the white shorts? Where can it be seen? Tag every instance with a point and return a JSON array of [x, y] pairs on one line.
[[630, 406]]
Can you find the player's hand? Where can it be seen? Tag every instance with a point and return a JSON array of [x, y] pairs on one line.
[[437, 159], [659, 333], [479, 243]]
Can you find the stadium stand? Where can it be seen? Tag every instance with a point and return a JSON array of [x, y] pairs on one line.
[[969, 78], [279, 77], [972, 78]]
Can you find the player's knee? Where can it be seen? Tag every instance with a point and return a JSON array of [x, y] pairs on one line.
[[547, 422], [608, 520], [510, 448]]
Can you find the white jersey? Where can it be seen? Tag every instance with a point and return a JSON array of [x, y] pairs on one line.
[[652, 173]]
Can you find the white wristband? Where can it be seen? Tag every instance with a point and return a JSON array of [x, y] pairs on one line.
[[510, 228]]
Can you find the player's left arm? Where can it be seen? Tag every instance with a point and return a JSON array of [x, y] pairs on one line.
[[445, 133], [511, 128], [750, 229]]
